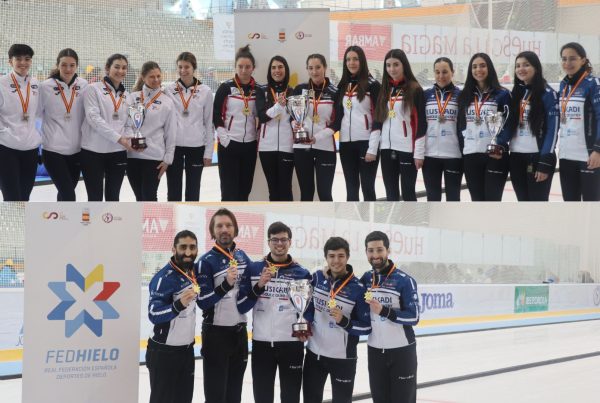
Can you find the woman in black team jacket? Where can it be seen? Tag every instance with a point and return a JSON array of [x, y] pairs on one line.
[[319, 156], [534, 130], [354, 115], [234, 117], [275, 140]]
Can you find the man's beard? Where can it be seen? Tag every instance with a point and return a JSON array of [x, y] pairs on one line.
[[183, 264]]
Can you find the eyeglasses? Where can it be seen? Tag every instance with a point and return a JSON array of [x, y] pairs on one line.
[[279, 240]]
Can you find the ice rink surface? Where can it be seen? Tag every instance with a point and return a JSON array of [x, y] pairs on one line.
[[555, 363]]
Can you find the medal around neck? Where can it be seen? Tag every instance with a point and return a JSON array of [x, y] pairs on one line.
[[300, 294], [137, 113], [495, 121], [297, 107]]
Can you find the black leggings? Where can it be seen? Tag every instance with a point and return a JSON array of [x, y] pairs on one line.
[[103, 173], [342, 373], [236, 170], [578, 183], [485, 176], [17, 173], [171, 372], [310, 161], [64, 170], [399, 166], [278, 168], [393, 374], [523, 167], [267, 357], [192, 160], [452, 170], [357, 172], [225, 352], [143, 178]]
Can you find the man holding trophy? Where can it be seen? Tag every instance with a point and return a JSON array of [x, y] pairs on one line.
[[264, 287], [338, 315], [394, 301]]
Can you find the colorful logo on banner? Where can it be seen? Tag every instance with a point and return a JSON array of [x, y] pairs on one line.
[[375, 39], [67, 300], [531, 298]]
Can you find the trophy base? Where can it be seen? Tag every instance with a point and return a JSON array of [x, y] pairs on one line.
[[139, 143], [494, 149], [301, 330], [301, 138]]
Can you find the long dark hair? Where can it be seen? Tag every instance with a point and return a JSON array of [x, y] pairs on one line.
[[580, 51], [68, 52], [272, 83], [146, 68], [362, 75], [466, 96], [537, 88], [410, 87]]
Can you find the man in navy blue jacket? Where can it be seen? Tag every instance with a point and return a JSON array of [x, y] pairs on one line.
[[394, 301], [172, 310], [338, 315], [224, 334]]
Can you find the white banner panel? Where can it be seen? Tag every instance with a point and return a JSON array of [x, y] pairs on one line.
[[82, 294], [569, 296], [224, 37], [291, 33]]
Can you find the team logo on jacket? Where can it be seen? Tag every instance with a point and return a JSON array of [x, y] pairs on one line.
[[85, 285]]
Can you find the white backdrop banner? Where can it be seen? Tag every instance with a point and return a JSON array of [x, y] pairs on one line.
[[82, 295], [223, 37], [291, 33]]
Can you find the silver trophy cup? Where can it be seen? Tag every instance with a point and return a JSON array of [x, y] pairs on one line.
[[297, 107], [137, 113], [495, 121], [300, 294]]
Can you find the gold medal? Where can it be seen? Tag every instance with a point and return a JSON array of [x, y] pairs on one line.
[[233, 263], [331, 304], [349, 103], [368, 295], [272, 268], [196, 288], [316, 119], [392, 114], [246, 111]]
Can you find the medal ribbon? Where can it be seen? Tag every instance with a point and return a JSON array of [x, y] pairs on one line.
[[522, 106], [316, 101], [245, 98], [24, 102], [350, 92], [442, 109], [158, 94], [223, 251], [192, 278], [112, 97], [478, 105], [564, 101], [68, 105], [393, 98], [333, 294], [373, 285], [185, 103]]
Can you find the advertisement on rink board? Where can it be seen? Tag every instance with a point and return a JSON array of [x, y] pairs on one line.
[[82, 312]]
